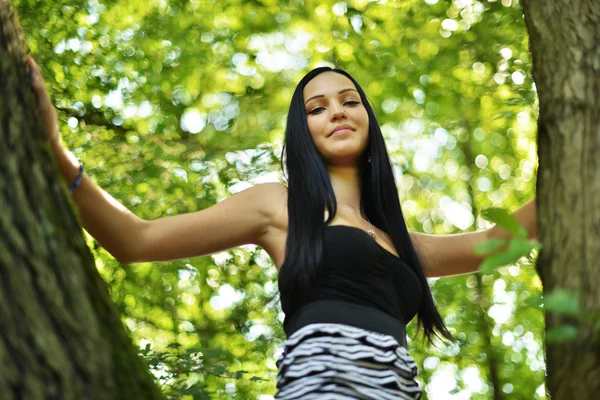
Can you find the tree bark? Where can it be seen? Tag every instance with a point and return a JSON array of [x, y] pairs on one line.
[[565, 45], [60, 335]]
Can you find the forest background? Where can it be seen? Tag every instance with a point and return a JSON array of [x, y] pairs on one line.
[[175, 105]]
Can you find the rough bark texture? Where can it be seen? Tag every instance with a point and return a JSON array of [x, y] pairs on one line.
[[565, 45], [60, 335]]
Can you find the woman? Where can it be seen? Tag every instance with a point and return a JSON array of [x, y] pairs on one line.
[[350, 278]]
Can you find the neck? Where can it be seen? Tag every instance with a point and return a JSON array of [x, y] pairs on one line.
[[347, 185]]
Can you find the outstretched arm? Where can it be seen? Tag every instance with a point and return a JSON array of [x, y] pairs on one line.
[[240, 219], [445, 255]]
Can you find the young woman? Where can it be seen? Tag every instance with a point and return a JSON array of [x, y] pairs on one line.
[[350, 277]]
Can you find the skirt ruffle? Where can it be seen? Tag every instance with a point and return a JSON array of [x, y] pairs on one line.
[[335, 361]]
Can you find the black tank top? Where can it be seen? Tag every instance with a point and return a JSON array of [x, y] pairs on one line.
[[358, 270]]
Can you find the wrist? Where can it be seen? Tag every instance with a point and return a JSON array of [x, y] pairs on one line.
[[79, 178], [68, 164]]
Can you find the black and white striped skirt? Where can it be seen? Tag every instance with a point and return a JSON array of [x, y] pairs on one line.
[[336, 361]]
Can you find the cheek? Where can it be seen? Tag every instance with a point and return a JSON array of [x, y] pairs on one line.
[[311, 128], [365, 117], [315, 125], [362, 118]]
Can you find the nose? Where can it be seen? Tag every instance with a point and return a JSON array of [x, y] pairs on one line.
[[337, 111]]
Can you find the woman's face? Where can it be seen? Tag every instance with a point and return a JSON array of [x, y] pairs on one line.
[[331, 101]]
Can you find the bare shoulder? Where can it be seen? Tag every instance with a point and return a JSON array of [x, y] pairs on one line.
[[273, 188]]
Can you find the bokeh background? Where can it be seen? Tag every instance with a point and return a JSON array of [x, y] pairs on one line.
[[174, 105]]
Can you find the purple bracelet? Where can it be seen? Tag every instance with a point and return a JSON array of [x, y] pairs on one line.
[[79, 178]]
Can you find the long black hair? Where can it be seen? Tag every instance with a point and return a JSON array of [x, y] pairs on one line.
[[310, 189]]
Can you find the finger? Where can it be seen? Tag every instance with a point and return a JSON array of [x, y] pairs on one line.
[[36, 81], [30, 71], [31, 67], [35, 71], [37, 84], [41, 97], [32, 62]]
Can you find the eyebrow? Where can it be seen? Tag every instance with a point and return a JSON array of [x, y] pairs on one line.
[[320, 95]]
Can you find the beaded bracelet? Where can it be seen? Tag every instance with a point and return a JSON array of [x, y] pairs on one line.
[[79, 178]]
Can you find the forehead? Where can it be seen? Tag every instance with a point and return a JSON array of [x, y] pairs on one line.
[[328, 84]]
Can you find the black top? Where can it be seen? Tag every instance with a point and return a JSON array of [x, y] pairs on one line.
[[360, 271]]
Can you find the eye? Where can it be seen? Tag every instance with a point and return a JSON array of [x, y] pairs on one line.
[[316, 110], [349, 102]]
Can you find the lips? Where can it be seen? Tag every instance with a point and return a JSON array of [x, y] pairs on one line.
[[339, 128]]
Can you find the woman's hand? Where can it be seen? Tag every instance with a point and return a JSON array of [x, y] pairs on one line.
[[44, 104], [68, 164]]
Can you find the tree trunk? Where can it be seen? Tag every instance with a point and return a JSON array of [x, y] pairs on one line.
[[565, 45], [60, 335]]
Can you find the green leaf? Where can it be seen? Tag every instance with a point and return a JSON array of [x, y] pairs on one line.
[[239, 374], [219, 370], [497, 260], [489, 246], [504, 115], [502, 218], [533, 301], [562, 301], [522, 247], [256, 378], [561, 334], [517, 248]]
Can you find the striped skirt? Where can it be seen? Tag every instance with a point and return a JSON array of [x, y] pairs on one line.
[[335, 361]]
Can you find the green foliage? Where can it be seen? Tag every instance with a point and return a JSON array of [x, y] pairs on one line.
[[562, 333], [504, 219], [180, 370], [518, 246], [173, 106], [563, 302], [566, 303], [489, 246]]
